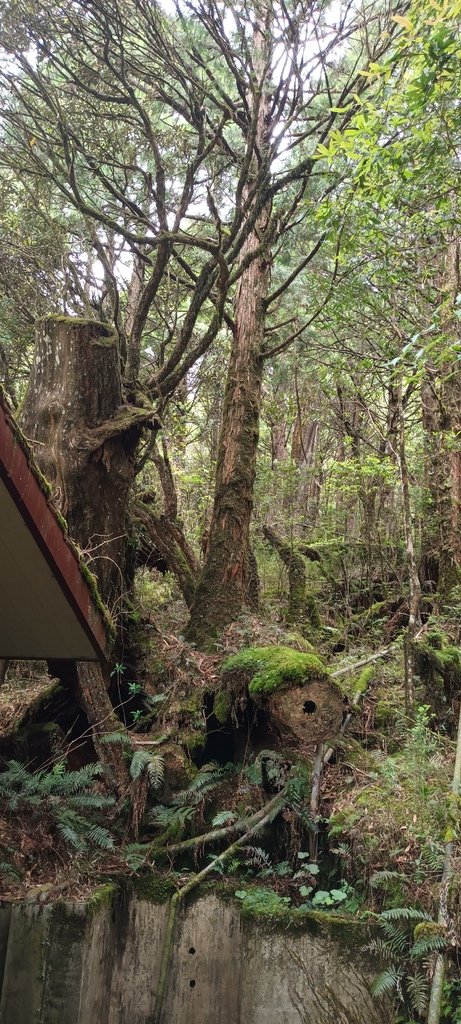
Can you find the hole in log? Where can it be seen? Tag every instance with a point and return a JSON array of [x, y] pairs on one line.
[[192, 983], [192, 949], [309, 707]]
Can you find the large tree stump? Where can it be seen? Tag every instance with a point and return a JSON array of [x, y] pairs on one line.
[[84, 439]]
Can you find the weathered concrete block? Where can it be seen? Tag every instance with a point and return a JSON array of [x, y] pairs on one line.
[[304, 978], [138, 938], [203, 985], [64, 970], [5, 918], [99, 963], [25, 964]]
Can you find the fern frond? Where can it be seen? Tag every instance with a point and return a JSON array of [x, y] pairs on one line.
[[135, 855], [418, 991], [428, 944], [152, 764], [404, 914], [381, 949], [206, 780], [155, 771], [90, 801], [115, 737], [100, 837], [139, 763], [381, 877], [223, 818], [397, 937], [256, 857], [386, 983]]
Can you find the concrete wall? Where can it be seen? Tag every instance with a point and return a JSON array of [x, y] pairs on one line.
[[99, 964]]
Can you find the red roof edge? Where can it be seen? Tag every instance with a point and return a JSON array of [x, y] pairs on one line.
[[29, 492]]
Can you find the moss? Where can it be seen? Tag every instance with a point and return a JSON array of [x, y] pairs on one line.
[[192, 705], [154, 888], [192, 739], [426, 929], [106, 330], [103, 896], [436, 656], [222, 705], [364, 679], [301, 643], [349, 930], [275, 668], [92, 585]]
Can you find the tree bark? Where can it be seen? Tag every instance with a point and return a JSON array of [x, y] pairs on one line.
[[221, 592], [84, 440], [414, 584], [441, 405]]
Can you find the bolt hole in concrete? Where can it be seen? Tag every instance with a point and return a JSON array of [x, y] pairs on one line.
[[192, 949], [192, 983], [309, 707]]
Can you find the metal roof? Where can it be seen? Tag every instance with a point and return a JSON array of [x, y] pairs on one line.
[[47, 609]]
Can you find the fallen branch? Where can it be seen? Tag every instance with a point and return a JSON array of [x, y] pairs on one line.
[[219, 833], [363, 661]]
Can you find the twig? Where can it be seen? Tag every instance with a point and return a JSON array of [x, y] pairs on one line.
[[363, 661]]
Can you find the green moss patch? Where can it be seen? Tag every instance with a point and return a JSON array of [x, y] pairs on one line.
[[275, 668], [154, 888]]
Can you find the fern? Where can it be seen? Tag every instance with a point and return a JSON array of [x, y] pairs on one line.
[[428, 944], [385, 984], [135, 855], [380, 878], [418, 991], [152, 764], [116, 737], [100, 837], [61, 795], [404, 976], [256, 857], [404, 914], [223, 818], [207, 779]]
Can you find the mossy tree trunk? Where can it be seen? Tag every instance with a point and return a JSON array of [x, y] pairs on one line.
[[414, 585], [301, 603], [222, 589]]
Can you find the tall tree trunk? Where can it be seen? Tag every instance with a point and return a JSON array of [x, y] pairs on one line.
[[414, 585], [450, 404], [221, 592]]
